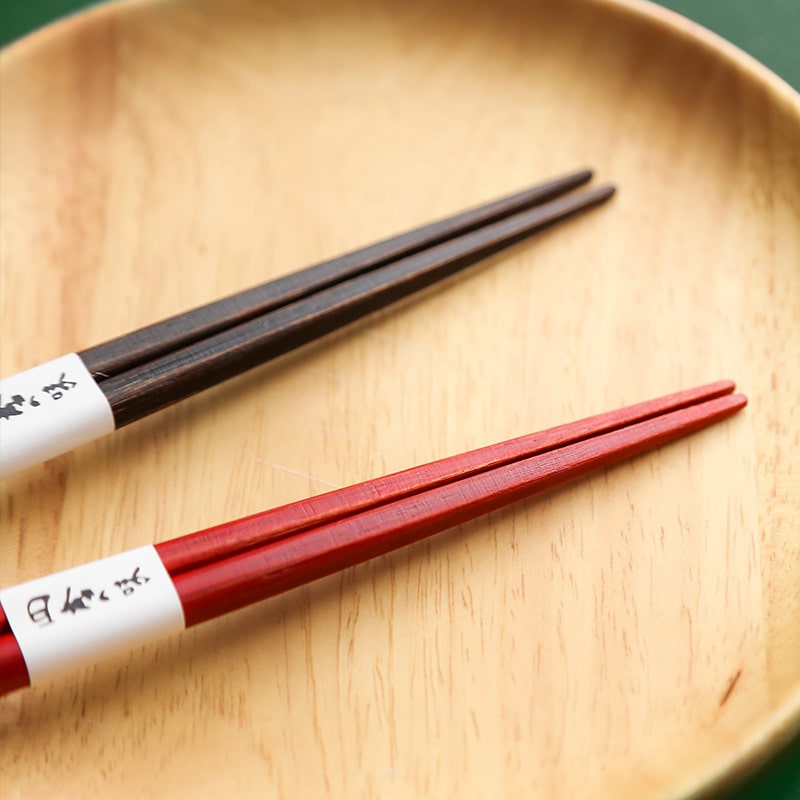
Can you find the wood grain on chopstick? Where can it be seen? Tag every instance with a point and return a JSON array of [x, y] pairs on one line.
[[147, 343], [177, 375], [429, 500], [111, 385], [195, 549], [220, 587], [230, 538]]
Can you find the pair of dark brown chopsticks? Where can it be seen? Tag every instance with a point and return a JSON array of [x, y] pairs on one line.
[[155, 366], [144, 371], [212, 572]]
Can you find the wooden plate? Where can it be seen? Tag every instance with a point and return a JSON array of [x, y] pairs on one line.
[[634, 635]]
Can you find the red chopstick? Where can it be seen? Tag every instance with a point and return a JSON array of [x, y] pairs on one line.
[[195, 549], [237, 581], [231, 566], [211, 544]]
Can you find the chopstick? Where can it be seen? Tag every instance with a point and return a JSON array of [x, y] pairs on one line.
[[230, 538], [174, 586], [137, 347], [104, 388], [150, 387]]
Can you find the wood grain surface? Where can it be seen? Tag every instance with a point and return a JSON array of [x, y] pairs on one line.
[[634, 635]]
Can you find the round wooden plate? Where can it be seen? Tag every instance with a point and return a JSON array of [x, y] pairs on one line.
[[635, 635]]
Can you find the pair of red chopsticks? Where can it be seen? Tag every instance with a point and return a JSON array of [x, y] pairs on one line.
[[230, 566]]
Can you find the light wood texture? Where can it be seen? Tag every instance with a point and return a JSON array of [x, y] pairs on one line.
[[635, 635]]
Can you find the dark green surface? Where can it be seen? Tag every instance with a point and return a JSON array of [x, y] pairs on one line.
[[767, 29]]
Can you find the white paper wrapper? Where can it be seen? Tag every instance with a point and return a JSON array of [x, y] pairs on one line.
[[48, 410], [79, 616]]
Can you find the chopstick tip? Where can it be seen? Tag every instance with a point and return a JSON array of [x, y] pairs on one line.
[[724, 386]]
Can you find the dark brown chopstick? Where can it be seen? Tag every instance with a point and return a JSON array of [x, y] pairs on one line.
[[131, 349], [150, 387], [139, 373]]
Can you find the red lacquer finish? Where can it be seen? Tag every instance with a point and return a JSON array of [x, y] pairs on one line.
[[238, 581], [231, 566], [195, 549], [13, 672], [212, 544]]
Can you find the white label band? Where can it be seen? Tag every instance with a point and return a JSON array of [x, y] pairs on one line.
[[48, 410], [76, 617]]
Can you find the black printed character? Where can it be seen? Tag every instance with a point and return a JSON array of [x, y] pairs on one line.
[[79, 603], [56, 390], [128, 585], [11, 408], [38, 610]]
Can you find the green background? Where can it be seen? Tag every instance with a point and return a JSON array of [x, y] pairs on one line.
[[769, 30]]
